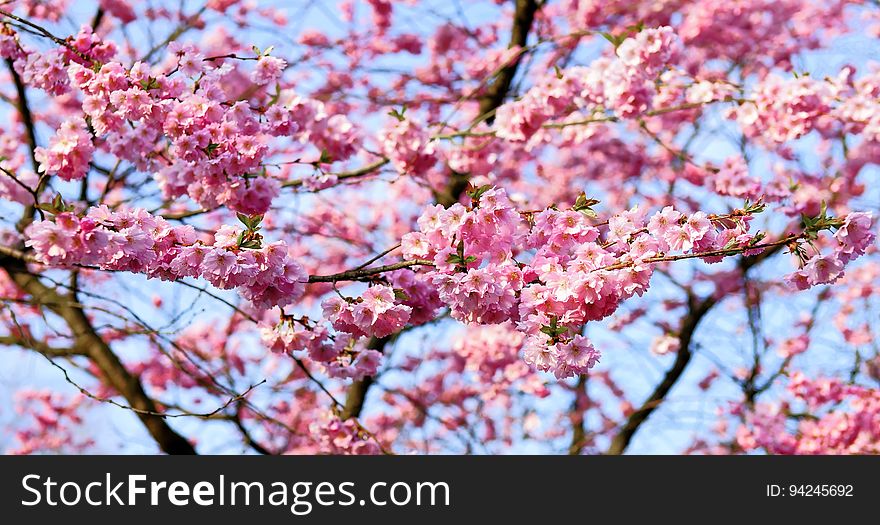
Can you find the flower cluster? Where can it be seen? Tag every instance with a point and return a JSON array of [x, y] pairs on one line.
[[12, 191], [335, 436], [136, 241], [267, 70], [215, 146], [408, 146], [121, 9], [842, 419], [340, 355], [853, 237], [517, 121], [733, 180], [567, 359], [43, 10], [420, 295], [650, 50], [53, 423], [46, 71], [69, 153], [785, 109], [458, 241], [333, 134], [623, 84], [492, 352], [376, 313], [572, 277]]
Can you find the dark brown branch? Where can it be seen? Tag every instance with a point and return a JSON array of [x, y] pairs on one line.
[[42, 31], [357, 391], [494, 97], [97, 19], [248, 439], [27, 119], [519, 35], [496, 92], [578, 416], [697, 310]]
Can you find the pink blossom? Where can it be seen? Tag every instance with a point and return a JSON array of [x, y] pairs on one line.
[[268, 69], [854, 236], [409, 147]]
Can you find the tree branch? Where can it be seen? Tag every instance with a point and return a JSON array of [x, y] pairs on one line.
[[356, 275], [27, 119], [578, 408], [39, 346], [365, 170], [494, 97], [697, 310], [87, 342], [496, 92], [519, 35]]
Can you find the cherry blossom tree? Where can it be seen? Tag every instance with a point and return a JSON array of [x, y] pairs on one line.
[[404, 226]]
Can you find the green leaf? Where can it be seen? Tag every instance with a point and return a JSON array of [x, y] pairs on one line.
[[476, 193], [276, 96], [757, 238], [553, 329], [251, 222], [211, 148], [47, 207], [325, 157], [807, 220], [637, 28], [589, 213], [58, 202], [149, 83], [731, 244], [584, 205], [399, 115], [615, 40]]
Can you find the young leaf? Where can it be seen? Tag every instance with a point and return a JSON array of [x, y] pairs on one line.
[[398, 114], [478, 192], [585, 205]]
